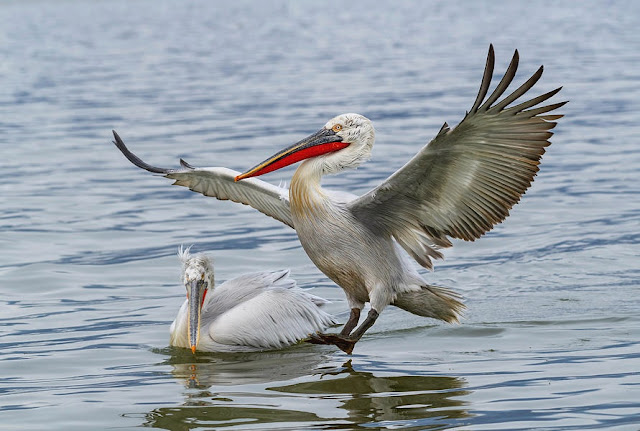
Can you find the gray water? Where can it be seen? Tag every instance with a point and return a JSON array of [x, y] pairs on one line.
[[88, 274]]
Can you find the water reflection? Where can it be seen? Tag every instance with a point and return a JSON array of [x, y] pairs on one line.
[[191, 417], [208, 370], [426, 401], [260, 389]]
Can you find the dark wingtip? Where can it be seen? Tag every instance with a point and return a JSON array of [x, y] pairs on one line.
[[504, 82], [118, 143], [515, 60], [444, 129], [184, 164], [135, 159], [486, 80]]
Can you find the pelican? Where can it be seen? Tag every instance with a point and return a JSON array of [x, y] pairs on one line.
[[253, 312], [459, 185]]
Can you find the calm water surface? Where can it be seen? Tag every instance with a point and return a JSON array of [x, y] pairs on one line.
[[88, 272]]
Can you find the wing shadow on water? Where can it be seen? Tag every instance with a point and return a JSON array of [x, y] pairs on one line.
[[256, 389]]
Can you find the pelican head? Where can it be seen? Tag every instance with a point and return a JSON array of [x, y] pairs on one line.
[[344, 142], [197, 277]]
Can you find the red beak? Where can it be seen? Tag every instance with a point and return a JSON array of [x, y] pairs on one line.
[[322, 142]]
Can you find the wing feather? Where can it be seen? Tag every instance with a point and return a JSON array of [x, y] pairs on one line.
[[264, 311], [467, 178], [219, 183], [504, 82]]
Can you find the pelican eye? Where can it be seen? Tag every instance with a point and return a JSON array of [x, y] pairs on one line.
[[336, 127]]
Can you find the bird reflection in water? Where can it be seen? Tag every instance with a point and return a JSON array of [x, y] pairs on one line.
[[257, 389], [398, 400]]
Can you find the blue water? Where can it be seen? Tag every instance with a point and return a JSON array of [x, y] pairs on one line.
[[88, 274]]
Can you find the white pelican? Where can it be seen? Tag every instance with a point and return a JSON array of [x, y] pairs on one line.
[[253, 312], [459, 185]]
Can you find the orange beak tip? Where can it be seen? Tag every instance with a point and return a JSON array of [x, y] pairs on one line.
[[193, 349]]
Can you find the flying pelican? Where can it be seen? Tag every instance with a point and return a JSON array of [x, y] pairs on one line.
[[459, 185], [253, 312]]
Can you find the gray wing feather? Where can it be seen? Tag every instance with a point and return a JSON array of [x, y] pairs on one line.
[[220, 183], [467, 178]]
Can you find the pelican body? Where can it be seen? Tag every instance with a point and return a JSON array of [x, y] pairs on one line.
[[253, 312], [458, 186]]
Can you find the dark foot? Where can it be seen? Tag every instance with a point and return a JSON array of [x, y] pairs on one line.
[[344, 343], [315, 339]]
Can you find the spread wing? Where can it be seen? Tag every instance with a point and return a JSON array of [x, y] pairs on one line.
[[219, 183], [466, 179]]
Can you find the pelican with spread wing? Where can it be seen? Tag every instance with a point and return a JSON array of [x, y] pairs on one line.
[[459, 185]]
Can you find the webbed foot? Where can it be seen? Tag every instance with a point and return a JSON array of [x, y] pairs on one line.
[[345, 344]]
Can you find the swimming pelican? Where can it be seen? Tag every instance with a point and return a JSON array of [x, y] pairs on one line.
[[459, 185], [253, 312]]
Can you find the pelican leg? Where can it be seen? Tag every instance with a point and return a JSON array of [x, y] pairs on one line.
[[351, 323], [368, 323], [346, 343]]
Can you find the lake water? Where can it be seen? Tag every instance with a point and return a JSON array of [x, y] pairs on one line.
[[89, 277]]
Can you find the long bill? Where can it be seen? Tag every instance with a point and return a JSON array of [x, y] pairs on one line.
[[196, 298], [322, 142]]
